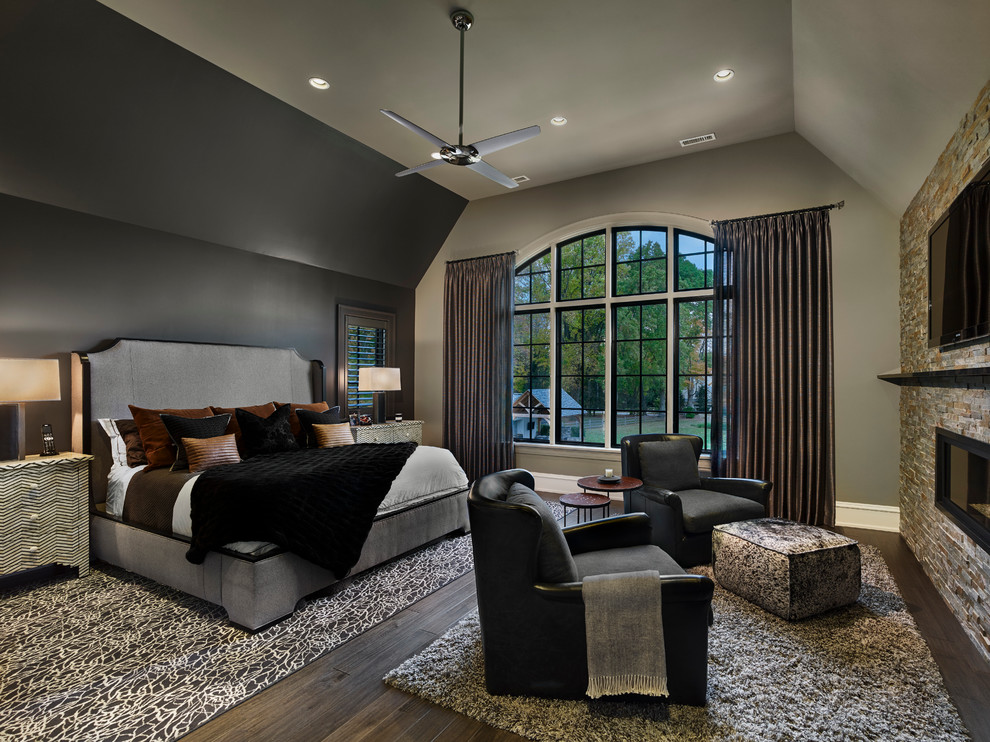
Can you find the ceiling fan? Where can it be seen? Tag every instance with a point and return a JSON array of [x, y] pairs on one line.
[[466, 155]]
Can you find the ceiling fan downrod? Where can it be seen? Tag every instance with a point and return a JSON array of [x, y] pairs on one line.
[[462, 20]]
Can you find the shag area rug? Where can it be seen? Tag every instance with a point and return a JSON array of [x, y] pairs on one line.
[[114, 656], [857, 673]]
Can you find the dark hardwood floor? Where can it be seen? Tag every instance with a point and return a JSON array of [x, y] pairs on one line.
[[341, 696]]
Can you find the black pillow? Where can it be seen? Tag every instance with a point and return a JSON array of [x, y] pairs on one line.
[[308, 418], [270, 434], [191, 427]]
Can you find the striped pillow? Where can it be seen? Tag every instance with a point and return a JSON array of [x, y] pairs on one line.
[[204, 453], [331, 435]]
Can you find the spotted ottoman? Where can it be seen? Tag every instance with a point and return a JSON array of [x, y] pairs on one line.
[[788, 568]]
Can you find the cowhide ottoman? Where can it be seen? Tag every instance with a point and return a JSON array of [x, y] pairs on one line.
[[787, 568]]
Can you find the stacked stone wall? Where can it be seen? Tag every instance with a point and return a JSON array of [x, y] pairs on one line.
[[957, 565]]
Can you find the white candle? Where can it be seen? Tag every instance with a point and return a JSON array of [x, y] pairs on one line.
[[608, 472]]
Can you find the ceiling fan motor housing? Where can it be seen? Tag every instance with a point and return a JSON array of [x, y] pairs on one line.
[[463, 154]]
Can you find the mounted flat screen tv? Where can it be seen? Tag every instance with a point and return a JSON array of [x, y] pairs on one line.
[[959, 268]]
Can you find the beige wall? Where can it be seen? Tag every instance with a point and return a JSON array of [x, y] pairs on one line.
[[775, 174]]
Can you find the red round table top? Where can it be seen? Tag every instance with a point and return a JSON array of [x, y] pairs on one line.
[[625, 483], [584, 500]]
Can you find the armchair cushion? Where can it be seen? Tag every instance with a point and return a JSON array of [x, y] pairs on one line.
[[669, 465], [627, 559], [705, 509], [554, 560]]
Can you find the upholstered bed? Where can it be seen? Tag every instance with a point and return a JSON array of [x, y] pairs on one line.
[[255, 589]]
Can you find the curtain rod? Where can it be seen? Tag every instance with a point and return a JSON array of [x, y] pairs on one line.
[[827, 207], [494, 255]]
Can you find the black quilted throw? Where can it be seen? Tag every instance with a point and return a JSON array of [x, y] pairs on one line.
[[318, 503]]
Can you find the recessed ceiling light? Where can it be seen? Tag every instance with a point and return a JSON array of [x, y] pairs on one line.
[[558, 121], [319, 83], [723, 75]]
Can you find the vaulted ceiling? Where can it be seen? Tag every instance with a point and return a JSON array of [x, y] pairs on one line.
[[877, 85]]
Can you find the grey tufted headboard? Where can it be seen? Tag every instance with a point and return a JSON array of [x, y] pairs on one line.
[[160, 374]]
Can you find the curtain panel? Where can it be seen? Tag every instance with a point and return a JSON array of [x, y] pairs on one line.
[[477, 360], [773, 360]]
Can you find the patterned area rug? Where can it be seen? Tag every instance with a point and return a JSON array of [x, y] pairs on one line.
[[114, 656], [858, 673]]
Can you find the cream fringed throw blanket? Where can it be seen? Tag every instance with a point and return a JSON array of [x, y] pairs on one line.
[[625, 634]]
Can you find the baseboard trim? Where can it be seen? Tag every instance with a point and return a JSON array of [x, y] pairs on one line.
[[871, 517], [847, 514]]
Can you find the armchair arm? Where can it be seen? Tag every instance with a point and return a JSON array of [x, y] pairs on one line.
[[756, 490], [661, 497], [676, 589], [632, 529]]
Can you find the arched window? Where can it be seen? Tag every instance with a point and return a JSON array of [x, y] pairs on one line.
[[613, 336]]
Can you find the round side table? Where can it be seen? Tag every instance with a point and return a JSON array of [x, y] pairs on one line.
[[623, 485], [584, 502]]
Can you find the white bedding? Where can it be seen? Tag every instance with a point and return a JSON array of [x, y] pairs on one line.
[[428, 473]]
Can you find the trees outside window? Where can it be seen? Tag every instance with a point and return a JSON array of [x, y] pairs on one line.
[[613, 329]]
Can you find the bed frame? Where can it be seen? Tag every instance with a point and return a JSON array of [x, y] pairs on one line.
[[255, 591]]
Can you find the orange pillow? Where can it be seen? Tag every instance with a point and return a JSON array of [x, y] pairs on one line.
[[333, 435], [294, 424], [204, 453], [261, 410], [158, 445]]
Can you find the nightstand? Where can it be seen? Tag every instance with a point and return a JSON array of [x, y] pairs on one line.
[[393, 432], [44, 512]]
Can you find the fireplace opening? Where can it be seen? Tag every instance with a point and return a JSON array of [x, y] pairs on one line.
[[962, 483]]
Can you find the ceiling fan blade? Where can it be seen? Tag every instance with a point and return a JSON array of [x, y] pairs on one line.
[[420, 168], [494, 144], [413, 127], [489, 172]]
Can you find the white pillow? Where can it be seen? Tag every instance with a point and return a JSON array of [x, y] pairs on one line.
[[118, 449]]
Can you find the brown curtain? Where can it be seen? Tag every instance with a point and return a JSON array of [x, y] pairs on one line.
[[773, 360], [477, 362]]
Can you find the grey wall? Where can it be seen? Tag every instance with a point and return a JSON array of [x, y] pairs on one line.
[[101, 115], [769, 175], [72, 281]]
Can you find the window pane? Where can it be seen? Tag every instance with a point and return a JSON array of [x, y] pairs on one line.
[[540, 291], [640, 257], [582, 267], [694, 366], [640, 369], [533, 280], [582, 375], [531, 406], [694, 256]]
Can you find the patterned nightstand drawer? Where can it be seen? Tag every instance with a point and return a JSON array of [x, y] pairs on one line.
[[404, 432], [44, 514]]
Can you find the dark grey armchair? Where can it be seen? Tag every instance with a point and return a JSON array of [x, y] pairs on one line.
[[529, 576], [683, 506]]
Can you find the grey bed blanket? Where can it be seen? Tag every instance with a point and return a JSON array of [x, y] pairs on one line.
[[624, 625]]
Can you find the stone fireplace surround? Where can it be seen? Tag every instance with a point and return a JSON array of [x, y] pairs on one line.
[[957, 566]]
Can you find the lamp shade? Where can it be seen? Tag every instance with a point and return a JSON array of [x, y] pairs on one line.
[[29, 380], [378, 379]]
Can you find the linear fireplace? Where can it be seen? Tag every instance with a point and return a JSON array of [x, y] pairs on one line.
[[962, 483]]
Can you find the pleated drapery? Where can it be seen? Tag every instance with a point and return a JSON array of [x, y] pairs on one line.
[[477, 360], [773, 360]]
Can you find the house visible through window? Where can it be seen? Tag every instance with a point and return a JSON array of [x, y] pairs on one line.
[[606, 343]]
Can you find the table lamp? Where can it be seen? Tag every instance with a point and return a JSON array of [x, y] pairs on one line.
[[378, 379], [23, 380]]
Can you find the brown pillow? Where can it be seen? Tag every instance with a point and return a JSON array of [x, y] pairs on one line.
[[128, 430], [204, 453], [332, 435], [294, 423], [158, 446], [261, 410]]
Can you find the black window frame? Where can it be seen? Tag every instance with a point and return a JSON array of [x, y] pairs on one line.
[[558, 376], [384, 356], [584, 266], [614, 397], [550, 344], [616, 262], [675, 255], [527, 266], [708, 412]]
